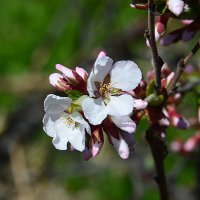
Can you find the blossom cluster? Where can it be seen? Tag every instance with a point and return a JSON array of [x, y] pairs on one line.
[[185, 11], [102, 102]]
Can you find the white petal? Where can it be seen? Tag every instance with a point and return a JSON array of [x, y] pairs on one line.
[[140, 104], [54, 104], [48, 124], [101, 68], [62, 132], [125, 123], [55, 78], [120, 105], [125, 75], [176, 6], [77, 138], [94, 110], [77, 117], [121, 147]]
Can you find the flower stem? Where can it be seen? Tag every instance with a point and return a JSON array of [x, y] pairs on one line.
[[150, 35], [159, 152]]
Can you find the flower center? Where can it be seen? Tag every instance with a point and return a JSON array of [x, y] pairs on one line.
[[105, 89], [69, 121]]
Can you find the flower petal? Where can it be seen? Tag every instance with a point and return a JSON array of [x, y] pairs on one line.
[[176, 6], [140, 104], [77, 117], [121, 147], [77, 138], [120, 105], [66, 71], [94, 110], [101, 68], [65, 134], [55, 78], [60, 139], [48, 124], [125, 123], [125, 75], [54, 104], [82, 73]]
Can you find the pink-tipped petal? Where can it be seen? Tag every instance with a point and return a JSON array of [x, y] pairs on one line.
[[101, 54], [55, 78], [176, 6], [66, 71], [140, 104], [190, 145], [96, 147], [82, 73], [176, 146], [121, 147], [164, 122]]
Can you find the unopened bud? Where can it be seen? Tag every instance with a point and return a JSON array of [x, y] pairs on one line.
[[82, 73], [67, 73], [58, 81], [176, 6], [101, 54], [139, 104], [121, 147]]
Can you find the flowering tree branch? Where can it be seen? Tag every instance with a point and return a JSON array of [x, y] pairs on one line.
[[150, 35], [181, 67], [157, 145]]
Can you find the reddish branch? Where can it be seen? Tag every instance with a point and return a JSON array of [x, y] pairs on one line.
[[181, 67], [150, 35], [159, 152]]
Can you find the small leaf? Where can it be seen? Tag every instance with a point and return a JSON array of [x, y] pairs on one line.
[[154, 100], [74, 94]]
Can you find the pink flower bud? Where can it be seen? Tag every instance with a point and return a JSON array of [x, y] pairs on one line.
[[140, 104], [169, 78], [67, 73], [179, 121], [57, 80], [176, 6], [82, 73], [190, 145], [164, 122], [101, 54], [121, 147], [177, 146], [96, 147]]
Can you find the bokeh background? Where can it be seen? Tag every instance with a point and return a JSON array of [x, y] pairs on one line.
[[34, 36]]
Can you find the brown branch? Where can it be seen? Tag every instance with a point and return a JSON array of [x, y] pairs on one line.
[[181, 67], [150, 35], [159, 152], [188, 87]]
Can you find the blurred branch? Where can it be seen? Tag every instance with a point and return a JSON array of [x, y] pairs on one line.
[[189, 86], [21, 174], [181, 67], [22, 123], [159, 152]]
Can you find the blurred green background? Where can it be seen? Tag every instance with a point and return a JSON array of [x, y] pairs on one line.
[[34, 36]]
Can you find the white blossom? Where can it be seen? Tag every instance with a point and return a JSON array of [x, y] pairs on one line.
[[107, 85], [63, 126]]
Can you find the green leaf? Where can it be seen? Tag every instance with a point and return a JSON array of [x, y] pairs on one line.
[[154, 99], [150, 88], [74, 94]]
